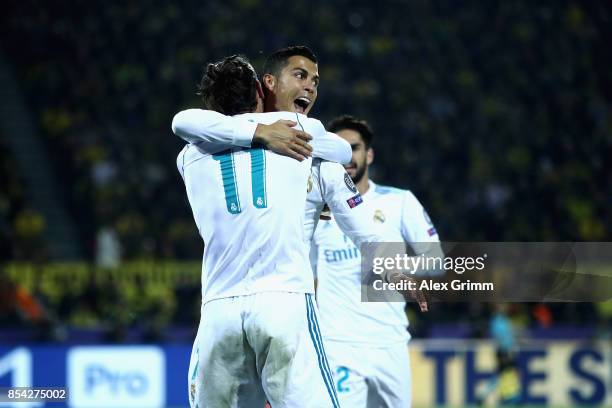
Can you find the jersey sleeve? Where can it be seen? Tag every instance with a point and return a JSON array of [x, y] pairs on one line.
[[333, 148], [419, 232], [213, 129], [325, 145], [180, 162], [416, 224], [341, 195]]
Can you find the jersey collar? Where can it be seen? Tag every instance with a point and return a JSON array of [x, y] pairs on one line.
[[371, 187]]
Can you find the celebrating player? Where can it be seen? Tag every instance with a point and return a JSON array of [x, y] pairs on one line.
[[258, 337], [374, 331], [330, 183]]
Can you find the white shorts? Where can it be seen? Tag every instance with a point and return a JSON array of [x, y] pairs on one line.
[[265, 346], [371, 377]]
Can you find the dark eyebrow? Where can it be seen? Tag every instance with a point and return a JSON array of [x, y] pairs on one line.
[[315, 77]]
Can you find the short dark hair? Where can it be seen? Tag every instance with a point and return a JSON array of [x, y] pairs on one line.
[[228, 86], [276, 61], [350, 122]]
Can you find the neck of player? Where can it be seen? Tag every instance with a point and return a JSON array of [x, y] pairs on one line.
[[364, 184]]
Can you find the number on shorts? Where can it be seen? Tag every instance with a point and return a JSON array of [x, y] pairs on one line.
[[343, 374], [258, 179]]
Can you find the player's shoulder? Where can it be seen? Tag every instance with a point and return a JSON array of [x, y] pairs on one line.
[[329, 166], [275, 115], [180, 158], [193, 152], [381, 189], [307, 122], [266, 117], [403, 197], [302, 120], [333, 173]]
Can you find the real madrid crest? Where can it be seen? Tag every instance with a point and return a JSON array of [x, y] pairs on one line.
[[379, 216], [192, 391], [309, 185]]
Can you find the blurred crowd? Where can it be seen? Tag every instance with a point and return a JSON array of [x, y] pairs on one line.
[[21, 226], [497, 115]]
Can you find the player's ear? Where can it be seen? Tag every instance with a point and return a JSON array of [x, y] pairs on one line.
[[269, 81], [370, 156]]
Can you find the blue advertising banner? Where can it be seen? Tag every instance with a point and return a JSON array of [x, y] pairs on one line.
[[100, 376], [444, 373]]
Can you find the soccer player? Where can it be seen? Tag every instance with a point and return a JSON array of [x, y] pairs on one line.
[[258, 337], [290, 84], [290, 75], [366, 341]]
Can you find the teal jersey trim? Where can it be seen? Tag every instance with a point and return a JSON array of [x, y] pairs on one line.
[[258, 177], [228, 174]]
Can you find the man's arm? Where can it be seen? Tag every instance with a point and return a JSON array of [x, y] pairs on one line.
[[325, 145], [420, 233], [333, 148], [209, 127], [352, 218], [346, 204], [354, 221], [215, 131]]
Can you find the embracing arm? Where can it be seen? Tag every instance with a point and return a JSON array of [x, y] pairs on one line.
[[214, 130], [209, 127], [331, 147]]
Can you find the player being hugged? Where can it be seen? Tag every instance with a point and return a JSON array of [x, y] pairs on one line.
[[258, 336]]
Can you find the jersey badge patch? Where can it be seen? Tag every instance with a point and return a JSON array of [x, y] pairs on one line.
[[354, 201], [349, 183], [309, 185], [192, 391], [379, 217], [432, 231]]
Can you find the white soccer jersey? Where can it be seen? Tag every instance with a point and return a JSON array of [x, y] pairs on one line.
[[343, 316], [248, 205]]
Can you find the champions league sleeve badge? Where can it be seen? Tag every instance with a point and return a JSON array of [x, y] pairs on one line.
[[349, 183], [354, 201], [431, 231]]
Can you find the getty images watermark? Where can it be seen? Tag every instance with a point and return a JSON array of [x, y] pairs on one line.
[[428, 266], [487, 271]]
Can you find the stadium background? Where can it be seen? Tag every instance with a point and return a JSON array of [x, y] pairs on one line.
[[497, 115]]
